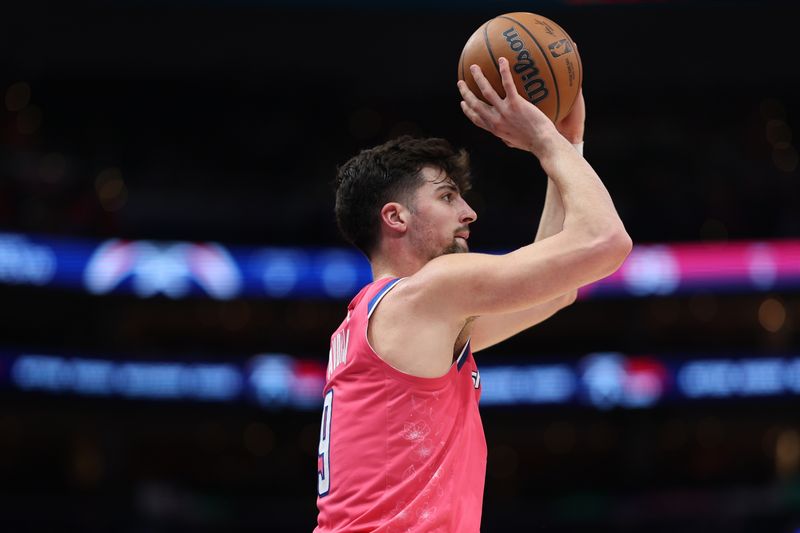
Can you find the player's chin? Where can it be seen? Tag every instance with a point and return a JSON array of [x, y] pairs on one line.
[[458, 246]]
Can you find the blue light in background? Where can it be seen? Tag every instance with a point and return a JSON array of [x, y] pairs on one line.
[[145, 380], [601, 380], [24, 262], [527, 384]]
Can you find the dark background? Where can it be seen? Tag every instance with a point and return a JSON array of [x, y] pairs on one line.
[[226, 121]]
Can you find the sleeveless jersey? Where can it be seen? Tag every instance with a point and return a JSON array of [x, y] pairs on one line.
[[397, 453]]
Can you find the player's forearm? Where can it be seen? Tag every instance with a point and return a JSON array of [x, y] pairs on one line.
[[588, 209], [552, 222], [552, 219]]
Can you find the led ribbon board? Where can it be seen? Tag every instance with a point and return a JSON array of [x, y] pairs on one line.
[[599, 380], [212, 270]]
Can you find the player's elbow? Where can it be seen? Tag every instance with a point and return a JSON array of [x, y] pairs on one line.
[[569, 299], [619, 247], [613, 248]]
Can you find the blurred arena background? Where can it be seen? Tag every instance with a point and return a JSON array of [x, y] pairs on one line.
[[170, 269]]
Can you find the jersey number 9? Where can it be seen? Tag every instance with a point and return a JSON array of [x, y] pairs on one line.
[[324, 457]]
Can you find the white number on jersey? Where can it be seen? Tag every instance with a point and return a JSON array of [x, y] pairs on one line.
[[324, 458]]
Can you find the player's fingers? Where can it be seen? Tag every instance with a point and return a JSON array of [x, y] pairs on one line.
[[479, 112], [486, 88], [476, 104], [473, 116], [468, 95], [465, 91], [505, 76]]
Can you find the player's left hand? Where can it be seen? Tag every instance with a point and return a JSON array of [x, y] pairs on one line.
[[572, 126]]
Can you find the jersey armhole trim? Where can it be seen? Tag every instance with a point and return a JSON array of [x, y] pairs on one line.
[[461, 359], [379, 296]]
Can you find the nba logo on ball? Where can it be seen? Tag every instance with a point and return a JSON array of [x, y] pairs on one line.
[[559, 48]]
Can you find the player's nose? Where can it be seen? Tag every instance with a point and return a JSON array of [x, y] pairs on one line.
[[468, 215]]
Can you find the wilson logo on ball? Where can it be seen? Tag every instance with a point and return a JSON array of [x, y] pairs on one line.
[[526, 68], [544, 61], [559, 48]]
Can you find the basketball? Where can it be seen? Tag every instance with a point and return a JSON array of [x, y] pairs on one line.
[[544, 61]]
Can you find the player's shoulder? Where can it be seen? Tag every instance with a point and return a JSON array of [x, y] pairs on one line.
[[422, 293], [370, 293], [441, 274], [410, 331], [375, 292]]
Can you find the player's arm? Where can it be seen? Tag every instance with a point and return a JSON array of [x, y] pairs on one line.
[[489, 330], [592, 244]]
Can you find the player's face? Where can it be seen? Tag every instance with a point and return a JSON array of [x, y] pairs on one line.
[[441, 217]]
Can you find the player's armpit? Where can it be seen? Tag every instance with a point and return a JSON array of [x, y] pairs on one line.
[[489, 330]]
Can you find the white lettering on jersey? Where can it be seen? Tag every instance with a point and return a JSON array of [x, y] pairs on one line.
[[476, 379], [337, 355]]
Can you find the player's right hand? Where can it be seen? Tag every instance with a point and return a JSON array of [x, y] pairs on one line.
[[513, 119]]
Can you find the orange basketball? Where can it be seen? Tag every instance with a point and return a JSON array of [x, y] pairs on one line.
[[543, 59]]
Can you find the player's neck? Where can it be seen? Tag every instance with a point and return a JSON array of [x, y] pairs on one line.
[[395, 266]]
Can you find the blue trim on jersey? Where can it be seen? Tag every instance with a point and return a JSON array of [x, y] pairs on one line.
[[461, 358], [381, 293]]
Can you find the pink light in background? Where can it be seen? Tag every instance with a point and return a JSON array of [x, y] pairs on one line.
[[662, 269]]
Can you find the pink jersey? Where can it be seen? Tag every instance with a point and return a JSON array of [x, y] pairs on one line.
[[397, 452]]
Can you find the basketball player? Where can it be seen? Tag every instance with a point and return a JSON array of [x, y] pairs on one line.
[[401, 443]]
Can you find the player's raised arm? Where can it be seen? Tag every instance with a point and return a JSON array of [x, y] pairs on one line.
[[488, 330], [592, 244]]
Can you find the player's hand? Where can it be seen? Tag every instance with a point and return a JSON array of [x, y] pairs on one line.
[[513, 119], [572, 126]]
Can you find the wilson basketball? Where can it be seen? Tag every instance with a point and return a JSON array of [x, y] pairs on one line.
[[543, 59]]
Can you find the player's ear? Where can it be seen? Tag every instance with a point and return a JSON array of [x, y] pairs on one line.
[[394, 215]]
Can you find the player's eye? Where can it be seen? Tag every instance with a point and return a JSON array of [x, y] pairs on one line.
[[447, 197]]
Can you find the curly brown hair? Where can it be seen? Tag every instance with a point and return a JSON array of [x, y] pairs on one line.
[[390, 172]]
